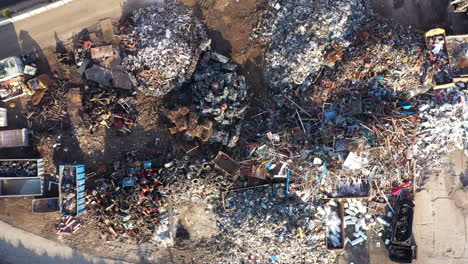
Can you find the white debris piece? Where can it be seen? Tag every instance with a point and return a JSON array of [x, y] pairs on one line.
[[354, 162]]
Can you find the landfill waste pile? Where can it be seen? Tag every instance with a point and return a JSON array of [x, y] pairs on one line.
[[218, 106], [299, 34], [162, 45], [18, 168]]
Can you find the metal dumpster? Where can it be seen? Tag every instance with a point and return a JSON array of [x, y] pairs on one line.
[[72, 189], [21, 177], [11, 187]]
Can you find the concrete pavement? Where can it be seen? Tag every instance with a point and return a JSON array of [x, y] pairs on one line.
[[440, 222], [42, 30], [20, 247]]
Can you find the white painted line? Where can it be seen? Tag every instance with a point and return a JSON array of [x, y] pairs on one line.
[[20, 17], [54, 5], [37, 11], [34, 12]]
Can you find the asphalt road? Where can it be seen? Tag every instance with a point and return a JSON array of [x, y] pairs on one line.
[[42, 30]]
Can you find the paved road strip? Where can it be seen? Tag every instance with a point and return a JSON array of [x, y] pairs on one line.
[[34, 12]]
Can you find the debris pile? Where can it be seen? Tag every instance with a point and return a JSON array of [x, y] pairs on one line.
[[299, 34], [439, 59], [443, 127], [68, 225], [50, 112], [218, 102], [162, 43], [107, 107]]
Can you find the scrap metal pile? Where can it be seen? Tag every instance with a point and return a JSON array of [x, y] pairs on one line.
[[107, 98], [18, 168], [108, 107], [50, 113], [218, 96], [350, 131], [162, 43], [443, 127], [298, 34], [347, 122], [273, 227], [349, 119], [128, 202], [131, 201]]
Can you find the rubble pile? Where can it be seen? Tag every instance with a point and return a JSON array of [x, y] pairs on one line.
[[299, 33], [162, 44], [218, 102]]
